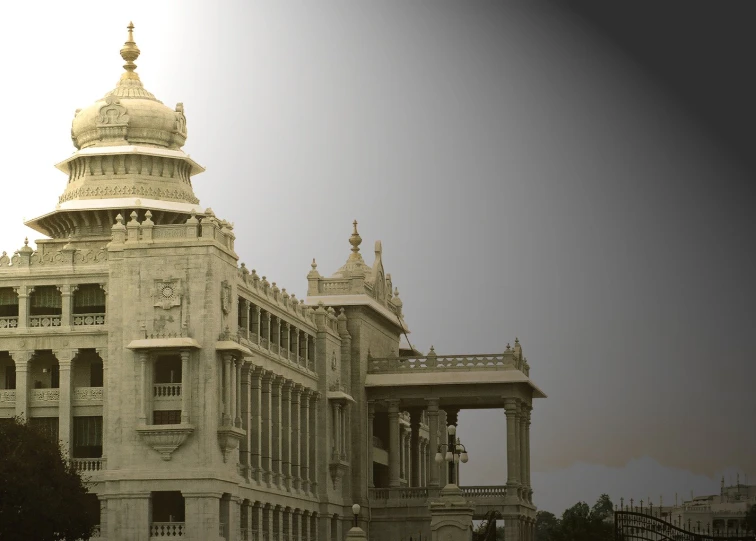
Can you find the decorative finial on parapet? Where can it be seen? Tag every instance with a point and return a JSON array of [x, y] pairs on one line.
[[517, 341], [355, 240], [129, 53], [432, 352], [25, 249], [509, 348]]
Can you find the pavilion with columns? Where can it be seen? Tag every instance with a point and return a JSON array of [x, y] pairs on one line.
[[203, 401]]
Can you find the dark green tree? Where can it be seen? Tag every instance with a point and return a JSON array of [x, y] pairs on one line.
[[547, 526], [750, 520], [41, 496]]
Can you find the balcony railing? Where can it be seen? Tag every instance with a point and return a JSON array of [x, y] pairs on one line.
[[44, 321], [7, 397], [84, 320], [45, 395], [88, 394], [424, 493], [167, 391], [167, 529], [484, 491], [87, 464], [8, 322]]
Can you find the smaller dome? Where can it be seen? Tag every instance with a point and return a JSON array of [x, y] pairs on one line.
[[129, 114]]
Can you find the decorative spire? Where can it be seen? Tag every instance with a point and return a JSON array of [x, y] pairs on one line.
[[355, 240], [129, 53]]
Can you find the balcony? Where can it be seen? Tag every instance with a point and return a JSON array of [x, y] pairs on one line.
[[8, 398], [486, 498], [44, 321], [45, 397], [167, 391], [167, 529], [88, 464], [9, 322], [88, 395]]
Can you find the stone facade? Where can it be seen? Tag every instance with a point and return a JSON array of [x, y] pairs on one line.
[[203, 401]]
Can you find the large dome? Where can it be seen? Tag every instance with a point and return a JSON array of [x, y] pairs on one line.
[[129, 114]]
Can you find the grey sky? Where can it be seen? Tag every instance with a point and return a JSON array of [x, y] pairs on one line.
[[525, 178]]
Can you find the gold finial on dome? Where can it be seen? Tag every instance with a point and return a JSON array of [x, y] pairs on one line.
[[129, 53]]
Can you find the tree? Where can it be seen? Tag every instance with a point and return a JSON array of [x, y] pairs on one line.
[[750, 520], [41, 495], [547, 526]]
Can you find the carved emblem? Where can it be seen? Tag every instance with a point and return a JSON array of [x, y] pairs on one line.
[[167, 293], [112, 113], [225, 297]]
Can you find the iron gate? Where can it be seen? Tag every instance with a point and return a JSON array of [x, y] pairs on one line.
[[640, 526]]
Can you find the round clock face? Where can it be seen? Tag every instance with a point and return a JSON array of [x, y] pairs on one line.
[[167, 292]]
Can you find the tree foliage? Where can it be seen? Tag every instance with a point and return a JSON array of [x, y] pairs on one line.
[[41, 496], [750, 520], [578, 523]]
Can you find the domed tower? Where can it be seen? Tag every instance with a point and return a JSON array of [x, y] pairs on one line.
[[128, 157]]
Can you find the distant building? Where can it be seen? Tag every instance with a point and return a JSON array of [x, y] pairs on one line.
[[204, 401]]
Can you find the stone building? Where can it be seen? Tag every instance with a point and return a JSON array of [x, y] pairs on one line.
[[202, 400]]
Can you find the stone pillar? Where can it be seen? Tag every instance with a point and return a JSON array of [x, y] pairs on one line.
[[306, 440], [133, 513], [103, 354], [512, 529], [452, 515], [228, 418], [23, 293], [315, 429], [443, 437], [267, 329], [257, 324], [186, 386], [394, 443], [255, 421], [297, 351], [336, 423], [266, 431], [202, 512], [306, 522], [238, 393], [21, 360], [286, 434], [370, 419], [143, 382], [247, 323], [296, 434], [66, 291], [522, 427], [234, 519], [245, 453], [415, 447], [527, 453], [64, 399], [232, 415], [510, 407], [433, 440], [275, 394], [356, 534], [268, 520]]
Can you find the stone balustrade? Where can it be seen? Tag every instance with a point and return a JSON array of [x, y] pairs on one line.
[[87, 464], [167, 529], [9, 322], [167, 391], [8, 398], [44, 321], [432, 362], [45, 395], [87, 394], [85, 320], [476, 492]]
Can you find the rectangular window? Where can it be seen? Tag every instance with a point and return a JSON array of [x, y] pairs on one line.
[[8, 302], [89, 299], [87, 437], [168, 417], [45, 301]]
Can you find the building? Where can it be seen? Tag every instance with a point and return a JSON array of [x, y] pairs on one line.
[[202, 400]]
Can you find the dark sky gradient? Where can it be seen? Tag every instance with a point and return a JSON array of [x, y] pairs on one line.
[[574, 175]]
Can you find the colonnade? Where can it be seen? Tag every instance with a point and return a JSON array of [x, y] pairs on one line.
[[264, 521], [281, 423]]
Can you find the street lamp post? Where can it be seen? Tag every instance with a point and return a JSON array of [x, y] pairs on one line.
[[455, 453], [356, 513]]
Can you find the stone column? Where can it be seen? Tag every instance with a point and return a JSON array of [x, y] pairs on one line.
[[510, 407], [21, 360], [433, 440], [248, 323], [275, 394], [238, 393], [306, 440], [143, 382], [234, 519], [394, 443], [522, 426], [64, 399], [23, 293], [266, 430], [443, 437], [66, 291], [306, 523], [285, 334], [186, 386], [245, 453], [370, 419], [296, 434], [286, 433], [297, 351], [103, 353], [257, 324], [228, 418], [336, 411], [268, 520], [415, 447], [315, 429], [267, 329], [233, 416], [255, 428], [257, 520], [527, 453]]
